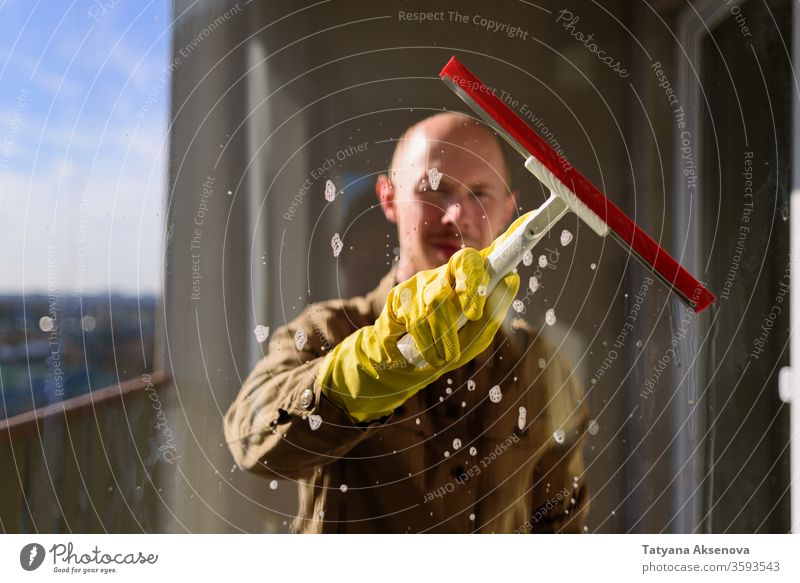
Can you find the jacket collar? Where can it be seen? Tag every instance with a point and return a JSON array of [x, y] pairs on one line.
[[377, 297]]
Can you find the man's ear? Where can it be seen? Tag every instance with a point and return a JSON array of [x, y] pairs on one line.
[[384, 189]]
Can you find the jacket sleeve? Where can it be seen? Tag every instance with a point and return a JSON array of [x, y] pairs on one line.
[[561, 494], [281, 424]]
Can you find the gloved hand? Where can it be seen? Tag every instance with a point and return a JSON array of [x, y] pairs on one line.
[[367, 376]]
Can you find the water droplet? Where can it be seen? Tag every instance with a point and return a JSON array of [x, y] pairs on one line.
[[550, 317], [559, 436], [273, 485], [472, 517], [482, 290], [542, 363], [46, 323], [522, 418], [638, 343], [456, 443], [542, 261], [418, 421], [495, 394], [449, 381], [448, 390], [594, 428], [533, 284], [566, 238], [261, 332], [447, 454], [593, 266], [343, 487], [473, 450], [518, 306], [330, 191], [527, 258], [300, 338], [470, 385]]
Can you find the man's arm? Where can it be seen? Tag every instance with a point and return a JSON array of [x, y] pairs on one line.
[[281, 424]]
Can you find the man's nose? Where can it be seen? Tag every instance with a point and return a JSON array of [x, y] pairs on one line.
[[457, 210], [454, 213]]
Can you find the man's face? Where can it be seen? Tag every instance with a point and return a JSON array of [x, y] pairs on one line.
[[470, 206]]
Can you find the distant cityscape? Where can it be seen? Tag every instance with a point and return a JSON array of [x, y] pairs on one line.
[[53, 348]]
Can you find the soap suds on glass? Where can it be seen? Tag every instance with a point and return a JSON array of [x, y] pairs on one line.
[[527, 259], [330, 191], [300, 338], [566, 238], [261, 332], [434, 176], [314, 422], [336, 244]]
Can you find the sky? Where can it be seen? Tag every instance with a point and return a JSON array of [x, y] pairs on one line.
[[84, 98]]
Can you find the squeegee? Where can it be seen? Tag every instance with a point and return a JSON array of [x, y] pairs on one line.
[[569, 191]]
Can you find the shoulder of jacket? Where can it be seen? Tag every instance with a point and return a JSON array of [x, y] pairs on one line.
[[329, 320]]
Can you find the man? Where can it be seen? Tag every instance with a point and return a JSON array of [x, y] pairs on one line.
[[486, 438]]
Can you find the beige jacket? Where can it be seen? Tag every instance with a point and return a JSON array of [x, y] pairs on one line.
[[448, 461]]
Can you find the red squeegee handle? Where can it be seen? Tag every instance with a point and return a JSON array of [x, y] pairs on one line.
[[698, 296]]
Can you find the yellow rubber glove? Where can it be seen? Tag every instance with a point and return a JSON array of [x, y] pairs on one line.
[[367, 376]]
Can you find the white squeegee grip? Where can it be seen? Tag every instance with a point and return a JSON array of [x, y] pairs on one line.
[[503, 259], [554, 185]]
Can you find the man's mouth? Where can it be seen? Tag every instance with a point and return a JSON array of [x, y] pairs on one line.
[[446, 249]]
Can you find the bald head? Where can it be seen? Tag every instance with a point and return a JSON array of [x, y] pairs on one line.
[[448, 188], [449, 129]]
